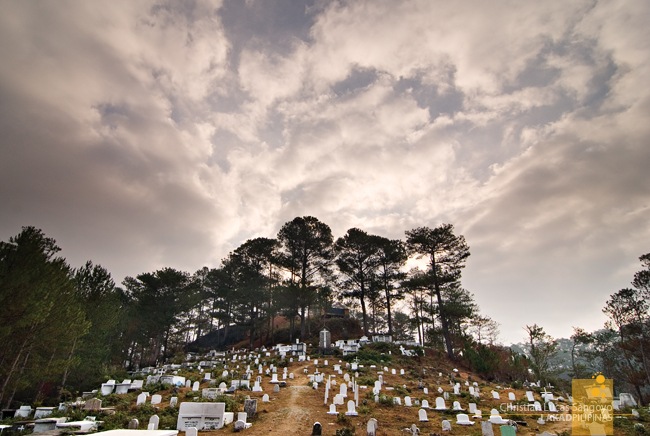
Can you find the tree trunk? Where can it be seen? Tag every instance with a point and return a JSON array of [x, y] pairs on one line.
[[64, 380], [363, 310], [9, 375], [443, 317], [388, 312]]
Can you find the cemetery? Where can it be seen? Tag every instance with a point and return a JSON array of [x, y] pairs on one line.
[[389, 389]]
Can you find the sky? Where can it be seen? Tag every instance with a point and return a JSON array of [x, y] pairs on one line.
[[151, 134]]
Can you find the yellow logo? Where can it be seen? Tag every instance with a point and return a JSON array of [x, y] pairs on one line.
[[592, 409]]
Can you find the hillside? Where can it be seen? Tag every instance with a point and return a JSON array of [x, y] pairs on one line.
[[297, 406]]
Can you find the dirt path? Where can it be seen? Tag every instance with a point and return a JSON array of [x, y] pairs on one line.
[[291, 411]]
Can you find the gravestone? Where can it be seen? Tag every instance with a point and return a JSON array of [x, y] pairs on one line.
[[422, 415], [351, 409], [203, 416], [173, 401], [332, 410], [93, 405], [239, 425], [276, 388], [463, 419], [250, 407], [153, 422], [508, 430], [156, 399], [195, 386], [134, 424], [440, 404], [317, 429], [191, 431], [456, 406], [142, 399], [425, 404], [371, 428], [407, 401], [486, 428], [414, 430], [446, 425], [265, 398]]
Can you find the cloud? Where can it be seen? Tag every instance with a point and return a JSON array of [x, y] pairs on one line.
[[152, 134]]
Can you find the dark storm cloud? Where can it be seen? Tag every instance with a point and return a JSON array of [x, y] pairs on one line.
[[150, 134]]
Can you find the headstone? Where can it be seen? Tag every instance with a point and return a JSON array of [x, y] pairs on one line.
[[173, 401], [250, 407], [456, 406], [371, 428], [463, 419], [153, 422], [407, 401], [203, 416], [422, 415], [134, 424], [142, 399], [191, 431], [265, 398], [93, 405], [472, 408], [317, 429], [511, 396], [440, 404], [508, 430], [486, 428], [156, 399], [195, 386], [446, 425], [414, 430], [351, 409], [627, 400], [344, 390], [276, 389], [332, 410], [425, 404]]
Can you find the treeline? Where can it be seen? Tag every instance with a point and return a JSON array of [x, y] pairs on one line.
[[72, 327], [65, 329], [620, 351]]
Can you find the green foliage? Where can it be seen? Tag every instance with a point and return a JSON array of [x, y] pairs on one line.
[[348, 431], [364, 409], [42, 317], [342, 419], [366, 380], [386, 400], [482, 359]]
